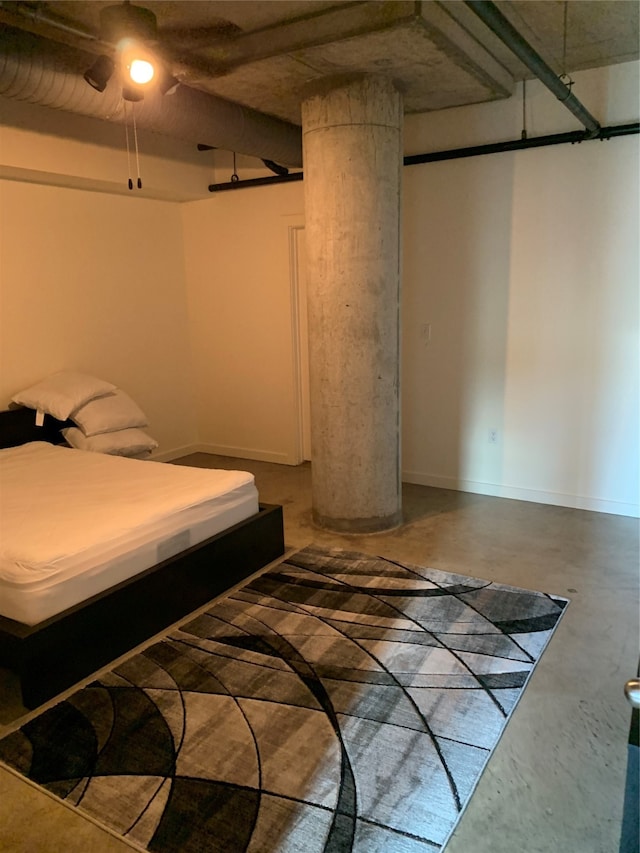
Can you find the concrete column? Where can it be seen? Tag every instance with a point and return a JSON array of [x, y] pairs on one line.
[[352, 149]]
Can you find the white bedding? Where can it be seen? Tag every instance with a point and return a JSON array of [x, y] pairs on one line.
[[74, 523]]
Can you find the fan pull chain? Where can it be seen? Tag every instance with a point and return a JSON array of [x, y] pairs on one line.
[[135, 136], [126, 133], [523, 135]]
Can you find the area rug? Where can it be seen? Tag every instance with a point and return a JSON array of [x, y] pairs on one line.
[[338, 703]]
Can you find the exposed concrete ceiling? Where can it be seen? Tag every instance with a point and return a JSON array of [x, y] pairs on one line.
[[264, 54]]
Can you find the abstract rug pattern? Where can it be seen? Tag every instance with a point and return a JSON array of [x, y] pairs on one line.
[[338, 703]]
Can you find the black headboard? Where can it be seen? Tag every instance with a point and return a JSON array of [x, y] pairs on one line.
[[18, 426]]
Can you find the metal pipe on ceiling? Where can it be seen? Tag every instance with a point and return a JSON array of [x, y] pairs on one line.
[[573, 136], [489, 13], [256, 182]]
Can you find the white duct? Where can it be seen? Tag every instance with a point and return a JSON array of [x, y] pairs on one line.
[[42, 72]]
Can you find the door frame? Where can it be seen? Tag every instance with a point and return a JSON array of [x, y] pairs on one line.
[[299, 345]]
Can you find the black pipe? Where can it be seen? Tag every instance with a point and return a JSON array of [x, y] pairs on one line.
[[256, 182], [458, 153], [489, 13], [495, 148], [618, 130], [520, 144]]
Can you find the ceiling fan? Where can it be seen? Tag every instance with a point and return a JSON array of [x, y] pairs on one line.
[[133, 32]]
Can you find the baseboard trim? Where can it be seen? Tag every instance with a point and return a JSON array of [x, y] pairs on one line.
[[176, 453], [419, 478], [226, 450], [247, 453], [517, 493]]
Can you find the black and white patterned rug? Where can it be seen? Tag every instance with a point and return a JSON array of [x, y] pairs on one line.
[[338, 703]]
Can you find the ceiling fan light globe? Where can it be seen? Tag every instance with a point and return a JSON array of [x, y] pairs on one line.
[[141, 71]]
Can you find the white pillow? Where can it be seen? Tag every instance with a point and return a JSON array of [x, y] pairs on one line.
[[123, 442], [62, 393], [108, 414]]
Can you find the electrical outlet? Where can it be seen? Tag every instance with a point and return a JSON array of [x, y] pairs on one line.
[[493, 436], [425, 333]]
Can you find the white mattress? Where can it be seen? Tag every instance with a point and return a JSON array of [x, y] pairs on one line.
[[74, 523]]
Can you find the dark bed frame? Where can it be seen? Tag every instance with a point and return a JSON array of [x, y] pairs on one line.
[[53, 655]]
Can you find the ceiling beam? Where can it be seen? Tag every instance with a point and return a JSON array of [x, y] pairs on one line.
[[463, 49], [314, 30]]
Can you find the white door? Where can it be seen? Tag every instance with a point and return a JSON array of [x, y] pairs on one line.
[[300, 338]]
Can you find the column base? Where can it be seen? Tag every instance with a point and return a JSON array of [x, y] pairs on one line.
[[358, 526]]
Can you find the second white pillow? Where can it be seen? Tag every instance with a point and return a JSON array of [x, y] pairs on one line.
[[107, 414], [124, 442]]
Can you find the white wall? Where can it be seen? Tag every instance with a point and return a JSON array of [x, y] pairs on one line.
[[237, 251], [573, 329], [95, 282], [525, 268]]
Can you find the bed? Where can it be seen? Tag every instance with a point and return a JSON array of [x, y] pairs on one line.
[[94, 567]]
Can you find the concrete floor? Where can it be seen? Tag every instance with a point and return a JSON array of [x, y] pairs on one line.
[[555, 782]]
